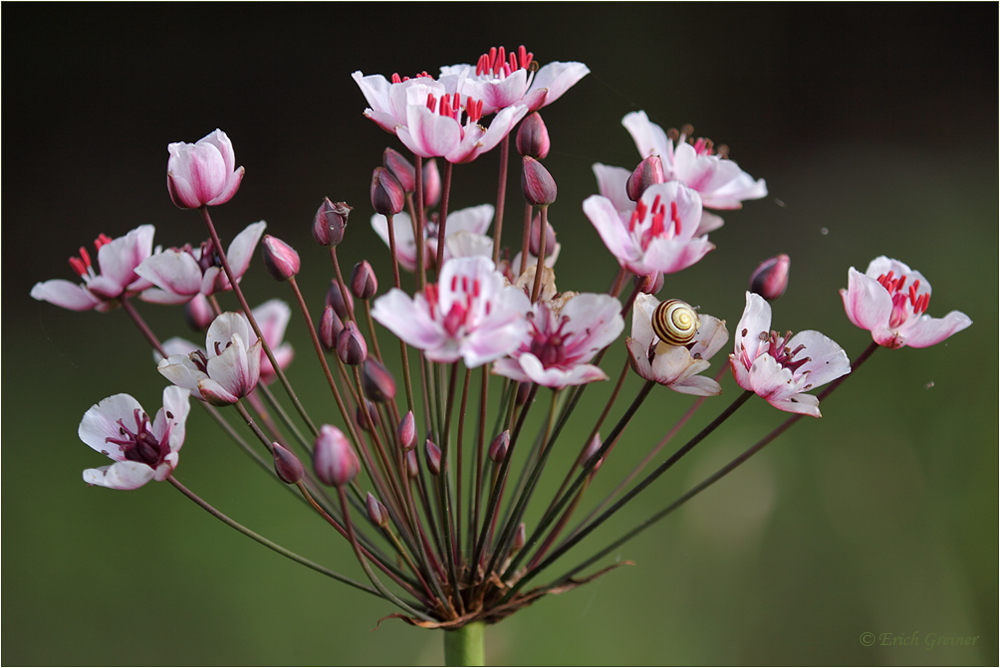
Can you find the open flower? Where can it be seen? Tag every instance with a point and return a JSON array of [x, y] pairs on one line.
[[180, 274], [676, 366], [117, 260], [142, 450], [465, 230], [561, 341], [780, 369], [880, 301], [659, 235], [387, 99], [228, 370], [469, 313], [203, 173]]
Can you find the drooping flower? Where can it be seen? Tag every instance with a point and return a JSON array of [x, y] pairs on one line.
[[203, 173], [180, 274], [117, 260], [880, 301], [659, 235], [780, 369], [676, 366], [143, 450], [466, 234], [469, 313], [560, 342], [228, 370]]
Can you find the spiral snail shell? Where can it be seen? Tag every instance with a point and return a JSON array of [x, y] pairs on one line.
[[675, 322]]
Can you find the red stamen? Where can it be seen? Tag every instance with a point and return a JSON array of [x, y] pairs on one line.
[[395, 78], [676, 218], [475, 287], [523, 56], [499, 62], [85, 255], [454, 283], [512, 63], [657, 227], [431, 102], [78, 267], [101, 240]]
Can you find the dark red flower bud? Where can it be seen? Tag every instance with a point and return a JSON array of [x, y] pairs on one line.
[[400, 167], [377, 382], [287, 465], [432, 183], [330, 222], [351, 346], [198, 313], [537, 184], [330, 328], [523, 389], [533, 137], [648, 173], [519, 538], [334, 459], [361, 420], [364, 285], [498, 448], [335, 298], [387, 193], [280, 259], [433, 454], [651, 284], [407, 432], [770, 279], [377, 512], [534, 237]]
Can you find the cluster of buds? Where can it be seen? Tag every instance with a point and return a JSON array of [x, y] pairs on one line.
[[444, 534]]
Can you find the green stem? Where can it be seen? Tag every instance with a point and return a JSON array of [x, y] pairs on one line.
[[466, 646]]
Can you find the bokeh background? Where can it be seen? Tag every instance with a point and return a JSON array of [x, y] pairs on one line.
[[876, 130]]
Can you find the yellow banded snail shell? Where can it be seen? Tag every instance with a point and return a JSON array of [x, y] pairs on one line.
[[675, 322]]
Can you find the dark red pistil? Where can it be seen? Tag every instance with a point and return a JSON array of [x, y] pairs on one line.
[[141, 445]]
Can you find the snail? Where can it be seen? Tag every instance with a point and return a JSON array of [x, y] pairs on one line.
[[675, 322]]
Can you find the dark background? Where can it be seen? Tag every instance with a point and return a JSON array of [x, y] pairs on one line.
[[875, 128]]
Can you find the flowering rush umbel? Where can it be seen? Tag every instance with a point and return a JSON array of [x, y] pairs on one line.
[[455, 386]]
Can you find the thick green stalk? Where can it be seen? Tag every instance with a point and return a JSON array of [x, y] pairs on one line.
[[466, 646]]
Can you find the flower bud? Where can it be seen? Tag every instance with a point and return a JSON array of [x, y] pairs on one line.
[[407, 432], [537, 184], [650, 284], [330, 222], [287, 465], [362, 421], [592, 449], [330, 327], [432, 183], [534, 237], [204, 173], [377, 512], [498, 448], [334, 459], [377, 381], [533, 137], [648, 173], [335, 298], [519, 538], [280, 259], [770, 279], [364, 285], [351, 346], [412, 465], [387, 193], [433, 454], [400, 167], [198, 313], [523, 389]]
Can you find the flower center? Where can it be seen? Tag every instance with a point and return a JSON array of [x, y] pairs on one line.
[[904, 304], [548, 346], [501, 65], [140, 445], [82, 265], [651, 222], [778, 349]]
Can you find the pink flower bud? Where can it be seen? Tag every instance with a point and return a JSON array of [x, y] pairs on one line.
[[330, 222], [351, 346], [498, 448], [400, 167], [648, 173], [335, 298], [412, 465], [377, 382], [519, 538], [533, 137], [330, 328], [334, 459], [287, 465], [280, 259], [198, 313], [361, 420], [650, 284], [204, 173], [364, 285], [387, 193], [533, 239], [407, 432], [537, 184], [432, 183], [770, 279], [377, 512], [433, 454], [592, 449]]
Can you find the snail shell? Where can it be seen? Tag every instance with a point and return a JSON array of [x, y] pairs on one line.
[[675, 322]]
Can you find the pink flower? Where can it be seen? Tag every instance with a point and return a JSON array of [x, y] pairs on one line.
[[203, 174], [560, 342], [676, 366], [468, 314], [880, 301], [387, 99], [659, 235], [228, 371], [142, 450], [180, 274], [117, 260], [779, 369], [466, 235]]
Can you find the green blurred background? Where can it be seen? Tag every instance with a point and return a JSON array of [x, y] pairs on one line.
[[875, 128]]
